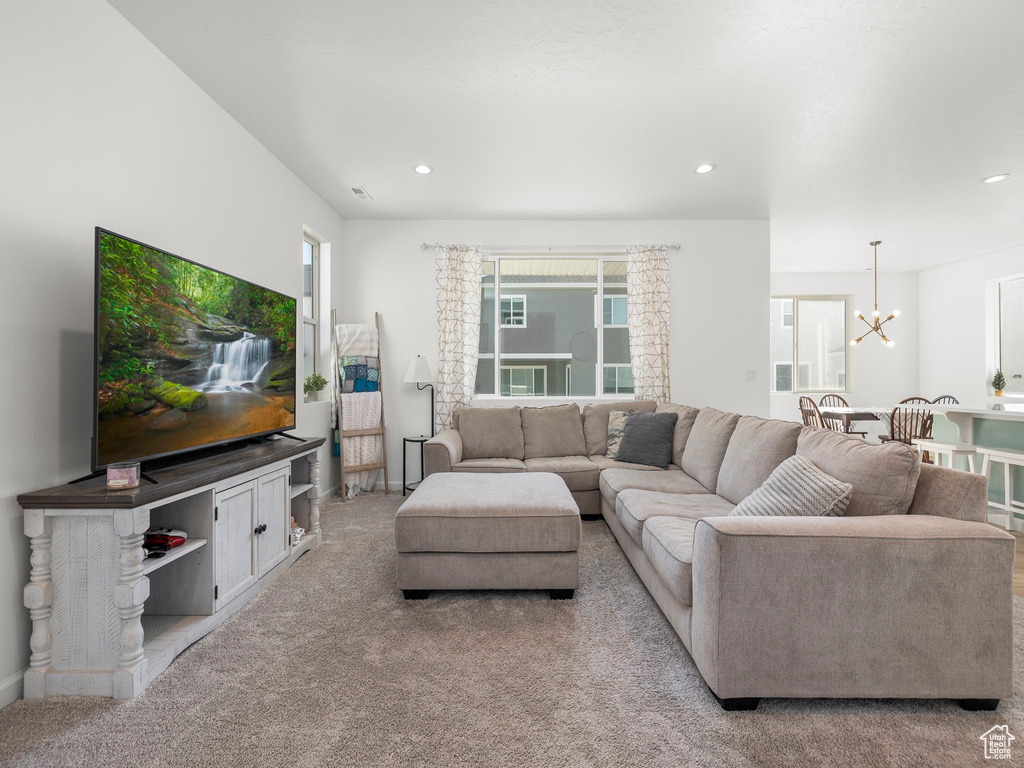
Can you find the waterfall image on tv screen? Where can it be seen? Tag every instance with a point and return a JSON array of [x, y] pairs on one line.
[[186, 356]]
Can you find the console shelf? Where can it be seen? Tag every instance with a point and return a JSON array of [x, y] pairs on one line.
[[150, 564], [106, 620]]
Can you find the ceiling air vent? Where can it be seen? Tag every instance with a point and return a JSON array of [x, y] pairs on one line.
[[361, 193]]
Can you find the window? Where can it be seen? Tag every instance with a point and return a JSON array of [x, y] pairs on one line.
[[523, 380], [513, 311], [310, 304], [808, 334], [787, 313], [1011, 333], [553, 326], [618, 380], [615, 312]]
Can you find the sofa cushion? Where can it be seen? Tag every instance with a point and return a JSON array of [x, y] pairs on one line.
[[553, 431], [668, 544], [616, 428], [647, 439], [705, 448], [603, 462], [951, 493], [756, 448], [490, 465], [883, 477], [491, 433], [595, 422], [796, 488], [578, 472], [633, 508], [469, 513], [615, 481], [684, 425]]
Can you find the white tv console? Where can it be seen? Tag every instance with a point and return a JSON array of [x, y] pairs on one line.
[[106, 621]]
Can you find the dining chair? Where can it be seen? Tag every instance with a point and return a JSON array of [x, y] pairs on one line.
[[910, 420], [810, 414], [945, 400], [836, 425]]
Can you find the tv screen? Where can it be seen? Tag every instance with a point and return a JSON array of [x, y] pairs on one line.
[[186, 356]]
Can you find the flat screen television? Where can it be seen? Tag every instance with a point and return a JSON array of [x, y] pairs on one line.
[[186, 356]]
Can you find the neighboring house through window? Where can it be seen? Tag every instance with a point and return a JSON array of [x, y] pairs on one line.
[[808, 334], [557, 329], [310, 304]]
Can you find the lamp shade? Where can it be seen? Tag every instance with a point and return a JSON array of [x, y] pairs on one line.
[[418, 372]]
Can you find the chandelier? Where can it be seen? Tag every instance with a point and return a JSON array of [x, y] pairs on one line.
[[875, 325]]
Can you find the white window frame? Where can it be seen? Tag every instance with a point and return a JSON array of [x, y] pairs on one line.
[[496, 357], [512, 297], [616, 366], [315, 301], [542, 368], [848, 360], [791, 314]]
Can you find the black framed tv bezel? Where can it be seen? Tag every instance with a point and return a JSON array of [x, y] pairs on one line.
[[99, 232]]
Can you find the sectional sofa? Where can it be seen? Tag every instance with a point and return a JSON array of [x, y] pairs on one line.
[[907, 595]]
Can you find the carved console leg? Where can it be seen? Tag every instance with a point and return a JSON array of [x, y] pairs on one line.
[[129, 598], [38, 599], [313, 494]]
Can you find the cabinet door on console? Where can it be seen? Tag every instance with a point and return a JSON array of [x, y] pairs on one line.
[[234, 531], [273, 511]]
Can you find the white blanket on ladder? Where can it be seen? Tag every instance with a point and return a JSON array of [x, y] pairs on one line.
[[360, 410], [356, 340]]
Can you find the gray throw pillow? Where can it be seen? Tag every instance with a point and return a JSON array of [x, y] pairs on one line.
[[647, 438], [796, 488]]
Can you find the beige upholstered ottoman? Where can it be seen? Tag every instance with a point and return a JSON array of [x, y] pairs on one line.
[[489, 531]]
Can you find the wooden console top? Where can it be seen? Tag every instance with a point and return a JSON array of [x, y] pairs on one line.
[[93, 494]]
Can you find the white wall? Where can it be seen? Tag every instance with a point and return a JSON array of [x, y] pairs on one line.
[[100, 128], [957, 318], [876, 375], [719, 282]]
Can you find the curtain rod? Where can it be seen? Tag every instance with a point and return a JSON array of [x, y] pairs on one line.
[[542, 249]]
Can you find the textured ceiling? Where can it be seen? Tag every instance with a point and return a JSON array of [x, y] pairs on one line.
[[842, 122]]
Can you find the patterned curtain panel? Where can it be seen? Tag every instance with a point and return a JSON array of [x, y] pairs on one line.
[[458, 328], [648, 318]]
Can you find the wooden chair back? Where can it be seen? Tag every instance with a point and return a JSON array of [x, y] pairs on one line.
[[911, 420], [834, 401], [945, 400], [810, 414]]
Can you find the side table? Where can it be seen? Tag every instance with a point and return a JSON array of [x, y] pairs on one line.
[[421, 439]]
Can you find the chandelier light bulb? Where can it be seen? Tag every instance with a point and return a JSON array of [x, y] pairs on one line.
[[854, 342], [857, 314], [876, 313], [895, 313]]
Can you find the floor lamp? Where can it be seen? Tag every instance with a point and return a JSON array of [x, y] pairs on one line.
[[420, 375]]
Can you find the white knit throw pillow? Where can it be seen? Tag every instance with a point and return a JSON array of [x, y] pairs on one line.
[[797, 487]]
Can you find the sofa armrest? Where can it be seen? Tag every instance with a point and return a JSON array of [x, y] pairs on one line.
[[442, 452], [895, 606]]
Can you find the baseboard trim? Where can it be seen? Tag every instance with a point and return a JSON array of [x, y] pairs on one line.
[[12, 688]]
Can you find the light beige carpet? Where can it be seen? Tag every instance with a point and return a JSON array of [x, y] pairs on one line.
[[330, 667]]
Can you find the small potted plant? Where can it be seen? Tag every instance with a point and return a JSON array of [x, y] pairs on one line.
[[313, 385], [999, 383]]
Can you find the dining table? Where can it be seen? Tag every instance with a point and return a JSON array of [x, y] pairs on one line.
[[849, 414]]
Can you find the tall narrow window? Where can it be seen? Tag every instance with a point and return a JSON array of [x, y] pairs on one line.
[[1011, 333], [310, 304], [553, 326], [809, 344]]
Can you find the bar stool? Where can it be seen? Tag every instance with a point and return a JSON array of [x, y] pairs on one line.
[[951, 450], [1009, 459]]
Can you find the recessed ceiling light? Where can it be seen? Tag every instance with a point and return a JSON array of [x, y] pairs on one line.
[[705, 168], [994, 179], [423, 169]]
